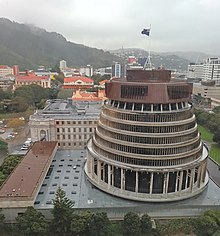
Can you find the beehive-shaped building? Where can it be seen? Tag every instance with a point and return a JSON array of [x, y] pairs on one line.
[[146, 146]]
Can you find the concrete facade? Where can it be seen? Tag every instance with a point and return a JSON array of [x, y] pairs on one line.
[[146, 146]]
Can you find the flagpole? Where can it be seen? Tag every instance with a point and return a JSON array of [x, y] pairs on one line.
[[147, 64]]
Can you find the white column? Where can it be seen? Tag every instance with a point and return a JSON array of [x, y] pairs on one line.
[[99, 170], [170, 107], [151, 108], [199, 177], [109, 176], [103, 171], [132, 107], [167, 182], [181, 181], [192, 178], [136, 184], [164, 182], [151, 182], [186, 179], [122, 180], [112, 175]]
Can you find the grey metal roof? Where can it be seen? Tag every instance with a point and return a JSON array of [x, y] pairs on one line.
[[68, 110], [68, 173]]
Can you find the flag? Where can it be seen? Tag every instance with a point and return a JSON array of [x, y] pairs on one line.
[[146, 31]]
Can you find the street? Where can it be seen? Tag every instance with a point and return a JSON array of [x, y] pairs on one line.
[[15, 144]]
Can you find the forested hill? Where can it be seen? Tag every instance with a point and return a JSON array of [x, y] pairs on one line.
[[29, 46]]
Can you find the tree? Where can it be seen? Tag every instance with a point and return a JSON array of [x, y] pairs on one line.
[[98, 224], [216, 110], [207, 224], [146, 224], [131, 224], [32, 222], [2, 217], [62, 213], [78, 225]]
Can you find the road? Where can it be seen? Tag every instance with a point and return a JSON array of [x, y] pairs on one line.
[[16, 143], [214, 171]]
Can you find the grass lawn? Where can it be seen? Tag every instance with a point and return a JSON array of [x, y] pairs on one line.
[[206, 135], [25, 114], [215, 152], [3, 145]]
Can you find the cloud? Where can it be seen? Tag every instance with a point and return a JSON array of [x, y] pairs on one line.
[[175, 25]]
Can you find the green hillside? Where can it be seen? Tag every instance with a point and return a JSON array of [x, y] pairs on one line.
[[30, 46]]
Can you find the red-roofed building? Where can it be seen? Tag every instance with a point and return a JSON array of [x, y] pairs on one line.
[[89, 96], [21, 187], [77, 82], [31, 78]]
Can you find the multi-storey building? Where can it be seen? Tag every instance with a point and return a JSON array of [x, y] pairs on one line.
[[86, 71], [43, 81], [116, 70], [212, 69], [63, 65], [7, 82], [195, 71], [206, 91], [6, 70], [71, 124], [146, 146]]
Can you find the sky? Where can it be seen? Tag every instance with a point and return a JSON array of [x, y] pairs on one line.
[[175, 25]]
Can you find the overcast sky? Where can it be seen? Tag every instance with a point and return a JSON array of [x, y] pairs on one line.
[[176, 25]]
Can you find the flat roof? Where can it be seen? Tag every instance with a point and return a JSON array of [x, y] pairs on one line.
[[29, 174], [68, 110], [67, 171]]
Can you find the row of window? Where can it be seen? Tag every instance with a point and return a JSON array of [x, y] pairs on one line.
[[148, 140], [146, 162], [73, 137], [147, 129], [162, 117], [76, 122], [147, 107], [73, 130], [72, 144], [146, 151]]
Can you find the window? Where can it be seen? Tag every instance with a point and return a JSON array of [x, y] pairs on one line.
[[137, 92], [177, 92]]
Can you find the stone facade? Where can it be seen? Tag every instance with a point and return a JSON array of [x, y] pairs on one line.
[[65, 123]]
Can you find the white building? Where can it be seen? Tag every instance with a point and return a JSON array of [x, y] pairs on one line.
[[211, 69], [62, 65], [116, 70], [86, 71], [195, 71]]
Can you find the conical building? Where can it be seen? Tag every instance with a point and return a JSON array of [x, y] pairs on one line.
[[146, 146]]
